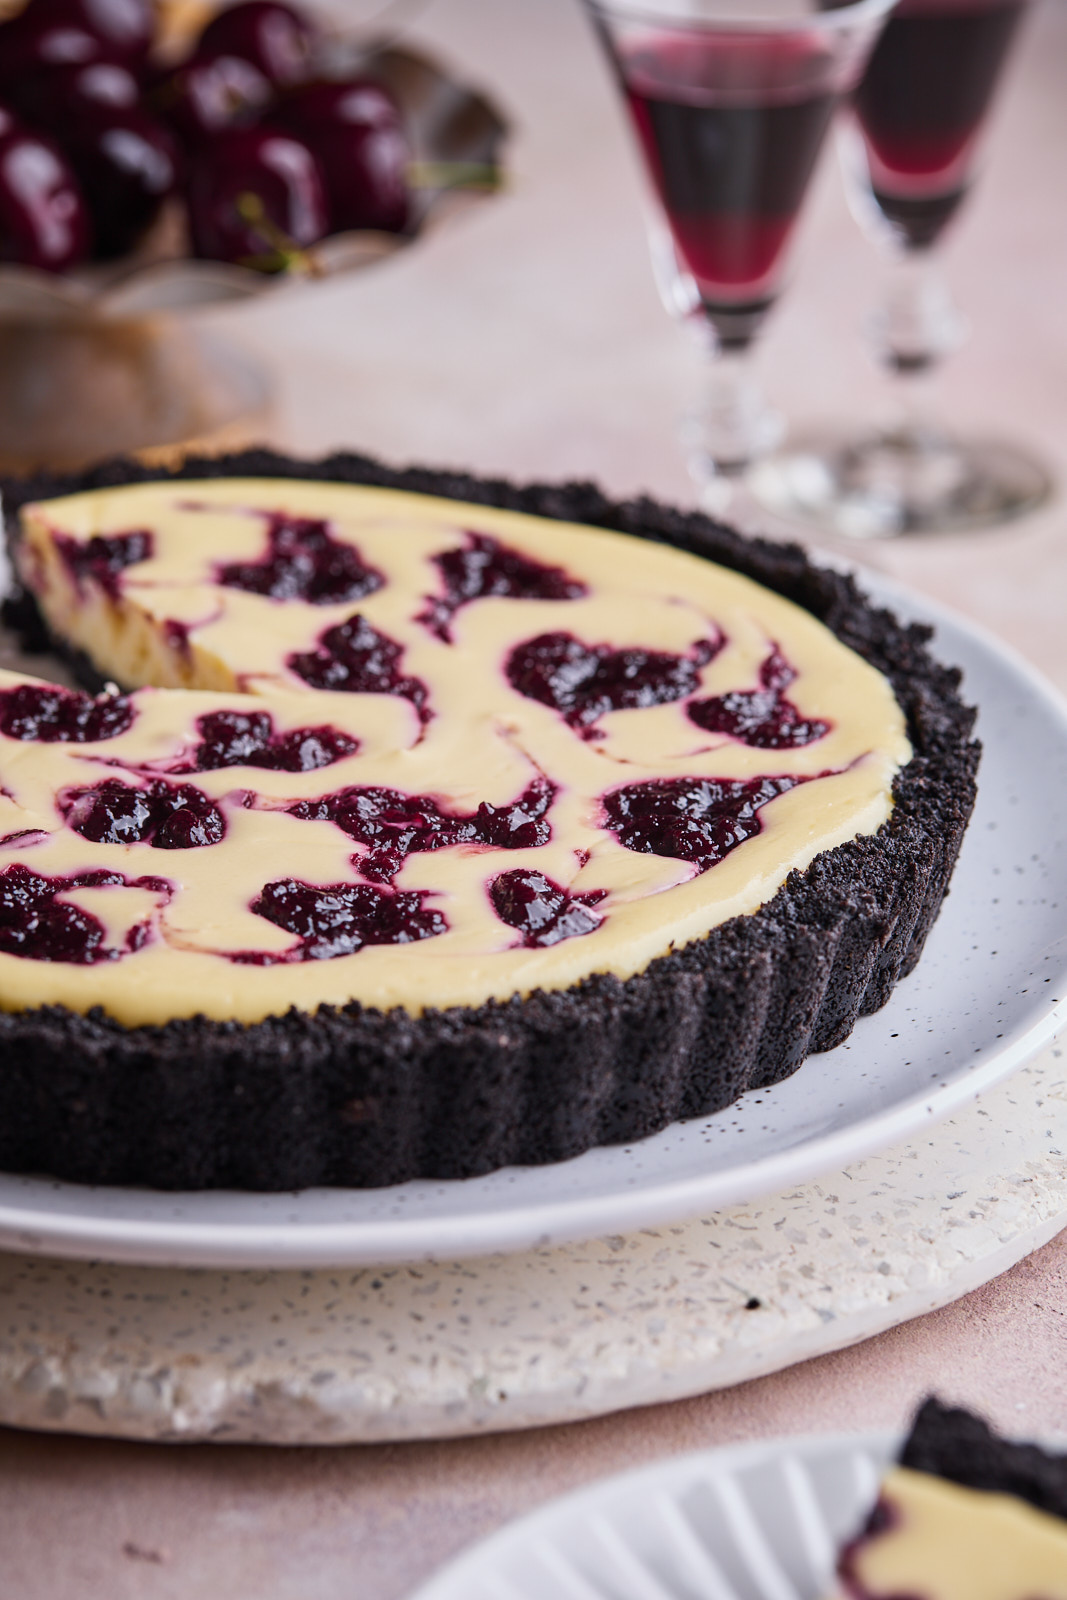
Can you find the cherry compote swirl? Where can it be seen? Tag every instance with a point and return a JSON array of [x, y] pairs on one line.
[[585, 681], [164, 815], [338, 919], [49, 715]]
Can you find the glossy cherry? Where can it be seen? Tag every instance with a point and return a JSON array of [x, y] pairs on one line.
[[256, 197], [357, 133], [126, 164], [51, 99], [125, 28], [274, 37], [43, 218], [210, 95], [61, 33], [30, 45]]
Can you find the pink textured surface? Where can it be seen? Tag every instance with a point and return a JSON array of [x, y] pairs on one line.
[[90, 1520], [530, 341]]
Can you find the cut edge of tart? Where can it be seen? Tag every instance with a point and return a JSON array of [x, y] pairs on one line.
[[964, 1514], [361, 1096]]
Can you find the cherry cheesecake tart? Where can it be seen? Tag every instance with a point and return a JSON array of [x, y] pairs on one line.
[[412, 825]]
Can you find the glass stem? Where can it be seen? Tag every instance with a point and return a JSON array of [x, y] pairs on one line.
[[917, 326], [732, 425]]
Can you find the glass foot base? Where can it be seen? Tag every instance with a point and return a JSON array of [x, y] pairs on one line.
[[71, 393], [914, 481]]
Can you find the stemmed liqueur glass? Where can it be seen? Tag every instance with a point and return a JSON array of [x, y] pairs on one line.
[[731, 101], [909, 152]]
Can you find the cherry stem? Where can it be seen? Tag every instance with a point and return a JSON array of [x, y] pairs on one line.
[[284, 254], [454, 175]]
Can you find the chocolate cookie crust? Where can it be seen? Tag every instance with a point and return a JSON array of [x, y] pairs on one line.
[[949, 1442], [357, 1097]]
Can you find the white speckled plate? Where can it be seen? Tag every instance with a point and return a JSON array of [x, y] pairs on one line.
[[990, 990], [760, 1521]]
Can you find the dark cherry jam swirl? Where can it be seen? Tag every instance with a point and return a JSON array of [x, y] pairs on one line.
[[484, 568], [583, 682], [884, 1518], [103, 559], [303, 561], [761, 717], [354, 658], [394, 826], [37, 925], [691, 819], [49, 715], [541, 909], [166, 816], [248, 739], [338, 919]]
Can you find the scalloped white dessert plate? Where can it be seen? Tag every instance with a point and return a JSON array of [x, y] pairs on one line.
[[990, 990], [760, 1521]]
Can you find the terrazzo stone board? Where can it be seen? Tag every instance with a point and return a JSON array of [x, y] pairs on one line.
[[503, 1342]]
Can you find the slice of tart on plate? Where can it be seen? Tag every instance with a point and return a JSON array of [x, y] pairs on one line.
[[963, 1515]]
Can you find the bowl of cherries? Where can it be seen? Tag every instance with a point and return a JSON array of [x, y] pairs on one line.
[[148, 169]]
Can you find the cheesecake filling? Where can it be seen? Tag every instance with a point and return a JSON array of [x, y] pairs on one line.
[[930, 1539], [532, 751]]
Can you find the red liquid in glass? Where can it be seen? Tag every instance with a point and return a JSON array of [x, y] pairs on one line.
[[923, 100], [731, 128]]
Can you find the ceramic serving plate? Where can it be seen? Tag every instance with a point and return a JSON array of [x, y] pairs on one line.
[[991, 989]]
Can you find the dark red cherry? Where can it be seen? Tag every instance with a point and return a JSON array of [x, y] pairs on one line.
[[53, 32], [31, 45], [126, 164], [357, 133], [256, 197], [274, 37], [43, 218], [209, 95], [52, 99], [124, 27]]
